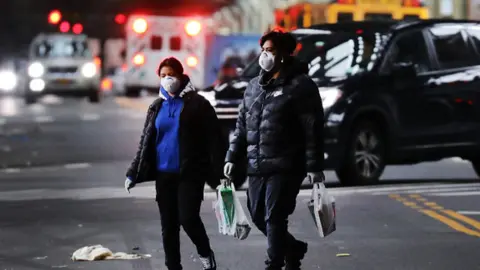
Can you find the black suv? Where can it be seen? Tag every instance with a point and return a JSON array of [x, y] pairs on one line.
[[393, 93]]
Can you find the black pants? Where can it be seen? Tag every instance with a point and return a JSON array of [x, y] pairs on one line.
[[179, 202], [271, 199]]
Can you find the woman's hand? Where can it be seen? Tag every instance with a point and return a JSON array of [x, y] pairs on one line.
[[228, 169], [129, 184]]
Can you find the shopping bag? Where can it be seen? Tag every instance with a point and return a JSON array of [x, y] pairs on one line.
[[322, 209], [229, 212]]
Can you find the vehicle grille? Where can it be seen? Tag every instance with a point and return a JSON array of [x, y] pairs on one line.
[[62, 69]]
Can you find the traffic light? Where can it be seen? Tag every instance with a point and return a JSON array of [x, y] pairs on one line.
[[120, 18], [54, 17], [77, 28], [64, 27]]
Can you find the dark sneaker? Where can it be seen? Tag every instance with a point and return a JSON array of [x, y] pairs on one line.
[[294, 260], [209, 262]]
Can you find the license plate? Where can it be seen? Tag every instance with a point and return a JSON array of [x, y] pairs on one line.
[[63, 81]]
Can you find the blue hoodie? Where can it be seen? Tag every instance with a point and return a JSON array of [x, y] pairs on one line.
[[167, 124]]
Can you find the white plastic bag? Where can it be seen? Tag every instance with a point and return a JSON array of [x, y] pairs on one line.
[[239, 227], [322, 208]]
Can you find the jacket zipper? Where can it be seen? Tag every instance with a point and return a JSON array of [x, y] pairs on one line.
[[259, 133]]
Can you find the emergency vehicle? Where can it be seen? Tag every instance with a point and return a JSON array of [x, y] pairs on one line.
[[150, 39]]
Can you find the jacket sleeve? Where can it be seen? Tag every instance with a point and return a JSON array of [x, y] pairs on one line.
[[133, 169], [238, 143], [214, 137], [308, 104]]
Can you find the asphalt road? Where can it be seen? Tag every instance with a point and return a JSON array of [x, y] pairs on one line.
[[61, 188]]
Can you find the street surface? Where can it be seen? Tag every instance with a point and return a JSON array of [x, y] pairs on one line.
[[62, 167]]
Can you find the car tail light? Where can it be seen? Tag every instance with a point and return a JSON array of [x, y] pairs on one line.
[[140, 26], [193, 28], [192, 61], [139, 59]]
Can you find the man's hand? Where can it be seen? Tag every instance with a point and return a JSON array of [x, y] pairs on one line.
[[129, 184], [316, 177], [228, 170]]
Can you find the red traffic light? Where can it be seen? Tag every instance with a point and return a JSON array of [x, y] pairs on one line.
[[120, 18], [64, 27], [54, 17], [77, 28]]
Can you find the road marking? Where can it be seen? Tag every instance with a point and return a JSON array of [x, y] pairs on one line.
[[451, 223], [90, 117], [10, 170], [469, 213], [44, 119], [456, 194], [463, 218], [437, 190], [77, 165], [129, 103], [432, 210]]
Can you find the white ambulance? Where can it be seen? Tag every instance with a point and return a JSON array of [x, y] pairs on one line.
[[150, 39]]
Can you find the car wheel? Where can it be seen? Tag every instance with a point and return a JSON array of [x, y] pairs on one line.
[[30, 99], [476, 166], [132, 92], [94, 97], [365, 156]]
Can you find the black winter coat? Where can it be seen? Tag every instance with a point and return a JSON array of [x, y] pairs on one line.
[[200, 141], [280, 124]]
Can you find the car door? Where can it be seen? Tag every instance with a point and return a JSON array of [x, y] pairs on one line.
[[421, 110], [456, 79]]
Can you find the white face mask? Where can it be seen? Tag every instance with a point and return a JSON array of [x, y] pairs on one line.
[[266, 61], [170, 84]]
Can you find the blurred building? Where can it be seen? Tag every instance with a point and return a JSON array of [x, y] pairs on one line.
[[455, 9]]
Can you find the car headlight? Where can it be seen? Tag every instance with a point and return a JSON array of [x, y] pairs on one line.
[[210, 96], [89, 70], [8, 80], [329, 96], [36, 70]]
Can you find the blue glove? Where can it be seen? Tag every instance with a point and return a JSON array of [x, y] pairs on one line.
[[129, 184]]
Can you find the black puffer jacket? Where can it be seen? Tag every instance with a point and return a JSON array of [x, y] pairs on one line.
[[280, 124], [200, 141]]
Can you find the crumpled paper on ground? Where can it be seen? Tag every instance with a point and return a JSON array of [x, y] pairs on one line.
[[99, 252]]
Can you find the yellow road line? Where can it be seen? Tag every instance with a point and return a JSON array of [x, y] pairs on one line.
[[435, 215], [451, 223], [463, 218], [129, 103]]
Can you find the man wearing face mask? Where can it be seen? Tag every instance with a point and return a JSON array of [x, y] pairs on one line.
[[179, 150], [280, 130]]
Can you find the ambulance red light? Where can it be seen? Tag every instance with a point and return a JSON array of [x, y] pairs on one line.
[[193, 28], [192, 61], [139, 59], [140, 26]]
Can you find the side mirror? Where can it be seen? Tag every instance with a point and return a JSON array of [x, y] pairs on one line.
[[404, 70]]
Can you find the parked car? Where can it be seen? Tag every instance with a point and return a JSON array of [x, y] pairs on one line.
[[393, 93]]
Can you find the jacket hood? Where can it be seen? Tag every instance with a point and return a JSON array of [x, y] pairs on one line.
[[186, 87], [291, 68]]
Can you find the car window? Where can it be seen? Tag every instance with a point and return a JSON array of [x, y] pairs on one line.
[[474, 33], [451, 46], [61, 48], [409, 48], [252, 70], [340, 54]]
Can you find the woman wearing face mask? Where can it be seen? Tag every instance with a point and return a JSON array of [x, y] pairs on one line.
[[281, 124], [179, 150]]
